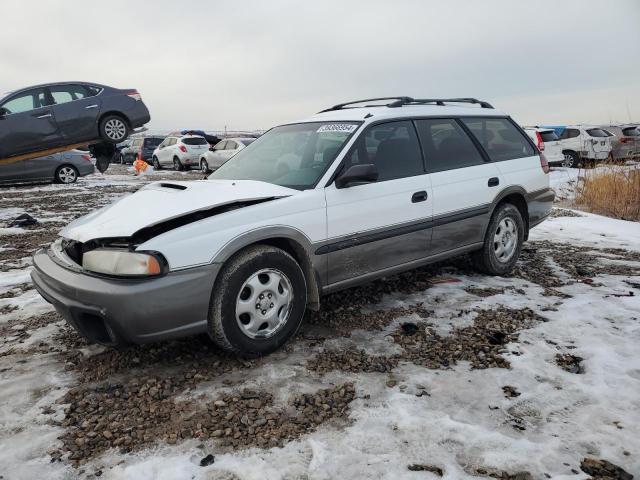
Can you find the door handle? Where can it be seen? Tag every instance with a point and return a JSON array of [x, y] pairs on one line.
[[419, 197], [90, 107], [46, 115], [493, 182]]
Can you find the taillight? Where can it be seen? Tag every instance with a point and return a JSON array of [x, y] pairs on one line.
[[625, 140], [543, 163], [183, 148], [540, 142], [134, 94], [86, 157]]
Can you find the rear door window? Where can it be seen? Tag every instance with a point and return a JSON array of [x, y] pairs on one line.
[[67, 93], [500, 138], [446, 145], [597, 132]]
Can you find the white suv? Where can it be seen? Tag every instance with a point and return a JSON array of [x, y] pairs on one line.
[[180, 152], [584, 144], [341, 198], [548, 142], [222, 151]]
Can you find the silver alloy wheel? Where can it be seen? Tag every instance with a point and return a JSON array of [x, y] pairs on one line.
[[568, 161], [204, 166], [505, 240], [67, 175], [264, 303], [115, 129]]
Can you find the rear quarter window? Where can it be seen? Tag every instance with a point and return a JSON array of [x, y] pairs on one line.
[[500, 138]]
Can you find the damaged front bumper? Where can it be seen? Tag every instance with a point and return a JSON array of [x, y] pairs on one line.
[[113, 311]]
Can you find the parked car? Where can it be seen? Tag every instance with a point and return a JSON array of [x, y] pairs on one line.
[[180, 151], [140, 147], [64, 167], [221, 152], [341, 198], [584, 144], [625, 141], [59, 114], [548, 142]]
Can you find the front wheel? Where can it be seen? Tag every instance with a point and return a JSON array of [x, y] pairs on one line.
[[156, 163], [114, 129], [258, 301], [502, 243]]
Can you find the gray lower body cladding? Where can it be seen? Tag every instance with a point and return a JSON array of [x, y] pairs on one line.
[[117, 311]]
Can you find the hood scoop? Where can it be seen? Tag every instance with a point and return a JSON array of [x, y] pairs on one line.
[[174, 186]]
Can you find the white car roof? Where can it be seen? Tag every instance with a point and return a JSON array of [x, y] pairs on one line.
[[384, 113]]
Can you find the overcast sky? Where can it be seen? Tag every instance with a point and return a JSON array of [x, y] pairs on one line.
[[253, 64]]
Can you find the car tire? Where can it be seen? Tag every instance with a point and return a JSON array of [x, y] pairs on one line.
[[571, 160], [66, 174], [503, 241], [258, 301], [121, 159], [177, 164], [156, 163], [114, 129], [204, 166]]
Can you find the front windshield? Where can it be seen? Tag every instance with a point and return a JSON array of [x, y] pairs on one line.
[[293, 156]]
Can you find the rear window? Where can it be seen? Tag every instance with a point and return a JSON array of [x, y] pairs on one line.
[[152, 142], [548, 136], [597, 132], [247, 141], [500, 138], [194, 141], [631, 132]]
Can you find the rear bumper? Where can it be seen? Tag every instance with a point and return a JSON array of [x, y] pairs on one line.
[[86, 168], [138, 115], [118, 311], [539, 205]]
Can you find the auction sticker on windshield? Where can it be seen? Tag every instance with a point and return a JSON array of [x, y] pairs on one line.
[[338, 127]]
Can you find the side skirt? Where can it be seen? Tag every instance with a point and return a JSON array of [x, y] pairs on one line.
[[369, 277]]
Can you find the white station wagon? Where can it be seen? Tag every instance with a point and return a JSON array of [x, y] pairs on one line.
[[359, 191]]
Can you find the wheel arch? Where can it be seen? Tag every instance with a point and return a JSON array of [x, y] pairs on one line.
[[292, 241], [516, 196]]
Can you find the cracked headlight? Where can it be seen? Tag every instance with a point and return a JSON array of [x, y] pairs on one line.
[[123, 263]]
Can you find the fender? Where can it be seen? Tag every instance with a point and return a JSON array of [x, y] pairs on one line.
[[290, 239]]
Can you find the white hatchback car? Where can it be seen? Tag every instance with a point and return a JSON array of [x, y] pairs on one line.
[[585, 144], [548, 142], [341, 198], [180, 152], [222, 151]]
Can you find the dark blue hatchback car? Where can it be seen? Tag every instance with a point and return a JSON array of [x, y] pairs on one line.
[[57, 114]]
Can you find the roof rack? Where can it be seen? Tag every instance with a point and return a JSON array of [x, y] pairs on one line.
[[402, 101]]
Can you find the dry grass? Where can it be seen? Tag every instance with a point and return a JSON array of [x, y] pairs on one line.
[[613, 191]]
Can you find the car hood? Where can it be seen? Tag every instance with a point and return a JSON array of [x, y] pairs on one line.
[[162, 201]]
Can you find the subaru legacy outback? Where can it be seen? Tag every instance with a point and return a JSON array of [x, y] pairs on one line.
[[356, 192]]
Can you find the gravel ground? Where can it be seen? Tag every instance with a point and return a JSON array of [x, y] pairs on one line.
[[117, 403]]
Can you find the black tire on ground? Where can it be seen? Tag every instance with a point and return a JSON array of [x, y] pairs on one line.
[[156, 163], [224, 324], [66, 174], [177, 164], [571, 159], [204, 166], [114, 129], [487, 259]]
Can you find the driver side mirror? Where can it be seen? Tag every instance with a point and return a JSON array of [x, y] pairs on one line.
[[357, 175], [3, 112]]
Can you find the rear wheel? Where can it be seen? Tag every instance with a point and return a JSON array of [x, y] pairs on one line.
[[204, 166], [66, 174], [113, 129], [258, 301], [177, 165], [502, 242]]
